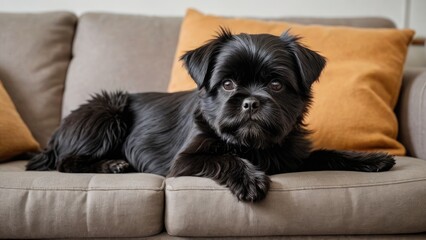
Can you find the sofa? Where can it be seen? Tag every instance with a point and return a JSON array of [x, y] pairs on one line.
[[52, 62]]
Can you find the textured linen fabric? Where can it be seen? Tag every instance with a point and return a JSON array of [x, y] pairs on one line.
[[15, 137], [357, 92], [411, 112], [120, 52], [304, 203], [35, 50], [59, 205]]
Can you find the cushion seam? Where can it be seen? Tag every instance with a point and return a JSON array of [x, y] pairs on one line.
[[311, 188]]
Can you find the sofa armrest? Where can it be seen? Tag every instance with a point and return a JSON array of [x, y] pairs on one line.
[[411, 112]]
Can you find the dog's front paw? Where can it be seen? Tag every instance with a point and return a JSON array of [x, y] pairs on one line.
[[250, 187], [116, 166], [374, 162], [382, 162]]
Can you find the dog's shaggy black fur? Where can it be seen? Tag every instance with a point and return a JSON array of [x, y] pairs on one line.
[[244, 122]]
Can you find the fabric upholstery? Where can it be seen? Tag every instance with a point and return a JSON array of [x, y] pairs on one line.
[[306, 203], [364, 22], [15, 137], [165, 236], [35, 51], [120, 52], [13, 166], [59, 205], [357, 92], [412, 112]]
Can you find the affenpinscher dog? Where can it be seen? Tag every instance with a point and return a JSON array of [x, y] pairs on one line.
[[244, 121]]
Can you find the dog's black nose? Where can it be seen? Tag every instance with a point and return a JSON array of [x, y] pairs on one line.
[[251, 104]]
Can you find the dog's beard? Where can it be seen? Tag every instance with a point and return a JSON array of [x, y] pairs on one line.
[[257, 130]]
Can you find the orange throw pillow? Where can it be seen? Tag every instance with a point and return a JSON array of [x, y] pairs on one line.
[[357, 91], [15, 137]]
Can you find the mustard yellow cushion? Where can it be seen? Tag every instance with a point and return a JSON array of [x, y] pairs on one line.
[[357, 91], [15, 137]]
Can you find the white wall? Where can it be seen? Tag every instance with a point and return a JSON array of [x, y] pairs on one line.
[[417, 16], [405, 13]]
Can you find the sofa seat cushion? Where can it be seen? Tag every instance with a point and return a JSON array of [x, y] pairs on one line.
[[59, 205], [15, 166], [305, 203]]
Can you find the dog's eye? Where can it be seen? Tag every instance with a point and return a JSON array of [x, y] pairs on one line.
[[228, 85], [275, 85]]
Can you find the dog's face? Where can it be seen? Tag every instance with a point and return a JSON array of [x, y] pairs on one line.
[[254, 89]]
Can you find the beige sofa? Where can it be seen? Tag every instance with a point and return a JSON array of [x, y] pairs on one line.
[[51, 62]]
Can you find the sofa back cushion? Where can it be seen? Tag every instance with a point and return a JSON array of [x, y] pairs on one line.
[[35, 50], [120, 52]]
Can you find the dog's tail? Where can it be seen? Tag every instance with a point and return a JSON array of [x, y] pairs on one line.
[[43, 161]]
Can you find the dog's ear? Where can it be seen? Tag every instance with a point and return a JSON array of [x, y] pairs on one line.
[[309, 63], [200, 61]]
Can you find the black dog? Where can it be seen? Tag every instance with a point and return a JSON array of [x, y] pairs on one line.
[[243, 122]]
